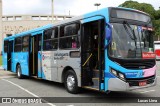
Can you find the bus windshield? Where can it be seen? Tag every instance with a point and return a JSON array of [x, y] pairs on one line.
[[130, 42]]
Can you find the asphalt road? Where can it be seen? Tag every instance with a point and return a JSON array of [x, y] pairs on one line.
[[11, 86]]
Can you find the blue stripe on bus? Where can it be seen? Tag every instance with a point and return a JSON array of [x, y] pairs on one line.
[[109, 75]]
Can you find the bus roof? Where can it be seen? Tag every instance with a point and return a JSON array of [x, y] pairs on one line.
[[65, 21], [28, 32]]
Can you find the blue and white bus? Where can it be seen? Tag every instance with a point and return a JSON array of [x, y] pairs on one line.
[[107, 50]]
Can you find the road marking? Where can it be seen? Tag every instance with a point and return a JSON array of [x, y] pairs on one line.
[[147, 91], [7, 77], [28, 91]]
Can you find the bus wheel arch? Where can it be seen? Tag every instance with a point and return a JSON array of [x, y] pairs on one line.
[[64, 72], [69, 78], [19, 71]]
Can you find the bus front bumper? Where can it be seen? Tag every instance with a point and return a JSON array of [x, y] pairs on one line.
[[115, 84]]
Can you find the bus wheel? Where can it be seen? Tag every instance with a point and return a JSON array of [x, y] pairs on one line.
[[18, 69], [71, 83]]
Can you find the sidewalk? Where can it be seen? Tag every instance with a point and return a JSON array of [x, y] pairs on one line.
[[1, 68]]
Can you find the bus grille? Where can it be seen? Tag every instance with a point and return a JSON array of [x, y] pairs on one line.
[[135, 82], [138, 65]]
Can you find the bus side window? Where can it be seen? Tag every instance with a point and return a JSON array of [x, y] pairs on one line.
[[50, 41], [25, 45], [70, 40], [18, 44]]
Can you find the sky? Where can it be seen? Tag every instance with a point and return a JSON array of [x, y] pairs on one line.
[[61, 7]]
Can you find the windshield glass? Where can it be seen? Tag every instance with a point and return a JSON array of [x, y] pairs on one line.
[[130, 41]]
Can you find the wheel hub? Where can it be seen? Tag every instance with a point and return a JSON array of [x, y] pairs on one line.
[[70, 82]]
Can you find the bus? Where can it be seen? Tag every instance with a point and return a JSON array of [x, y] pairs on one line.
[[157, 49], [106, 50]]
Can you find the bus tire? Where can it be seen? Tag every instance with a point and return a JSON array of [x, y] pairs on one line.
[[70, 81], [19, 73]]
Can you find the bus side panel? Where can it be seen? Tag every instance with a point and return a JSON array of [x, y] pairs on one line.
[[39, 65], [12, 63], [24, 61], [64, 60], [15, 61], [4, 61], [46, 65], [40, 72]]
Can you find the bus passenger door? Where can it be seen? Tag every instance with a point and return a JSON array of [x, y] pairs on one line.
[[24, 55], [35, 56], [9, 55], [92, 53]]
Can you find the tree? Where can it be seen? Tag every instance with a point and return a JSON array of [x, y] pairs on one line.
[[131, 4], [157, 14], [156, 24]]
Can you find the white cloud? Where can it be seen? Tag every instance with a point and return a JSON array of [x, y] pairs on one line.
[[76, 7]]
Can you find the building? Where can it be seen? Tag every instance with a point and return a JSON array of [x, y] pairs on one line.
[[14, 24]]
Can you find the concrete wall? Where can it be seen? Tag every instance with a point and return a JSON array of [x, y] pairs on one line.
[[10, 25]]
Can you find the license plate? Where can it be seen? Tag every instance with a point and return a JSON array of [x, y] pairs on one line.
[[143, 83]]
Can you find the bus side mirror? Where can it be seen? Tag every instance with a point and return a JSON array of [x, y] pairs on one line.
[[108, 33]]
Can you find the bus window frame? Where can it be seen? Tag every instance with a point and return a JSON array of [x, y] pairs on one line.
[[22, 48], [70, 36], [19, 44], [51, 39]]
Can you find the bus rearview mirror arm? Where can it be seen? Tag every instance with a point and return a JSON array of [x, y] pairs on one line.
[[108, 33]]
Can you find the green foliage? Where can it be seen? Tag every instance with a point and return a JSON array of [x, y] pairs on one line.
[[130, 4], [0, 60], [148, 8], [156, 24], [157, 14]]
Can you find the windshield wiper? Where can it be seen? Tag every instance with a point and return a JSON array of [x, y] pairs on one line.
[[132, 35]]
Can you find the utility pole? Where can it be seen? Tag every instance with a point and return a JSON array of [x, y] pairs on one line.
[[52, 5]]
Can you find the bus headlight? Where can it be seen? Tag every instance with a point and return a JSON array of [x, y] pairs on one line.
[[118, 74], [114, 72], [121, 76]]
